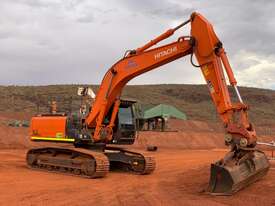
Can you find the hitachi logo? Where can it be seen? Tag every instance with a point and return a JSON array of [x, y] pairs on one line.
[[165, 53]]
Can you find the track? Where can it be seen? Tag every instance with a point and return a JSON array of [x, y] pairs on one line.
[[150, 165], [136, 162], [87, 163], [77, 162]]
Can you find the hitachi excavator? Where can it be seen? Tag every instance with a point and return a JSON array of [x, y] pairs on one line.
[[90, 154]]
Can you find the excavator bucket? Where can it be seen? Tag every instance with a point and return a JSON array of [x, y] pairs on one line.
[[226, 179]]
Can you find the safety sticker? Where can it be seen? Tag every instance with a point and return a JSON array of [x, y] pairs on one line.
[[210, 86], [205, 70]]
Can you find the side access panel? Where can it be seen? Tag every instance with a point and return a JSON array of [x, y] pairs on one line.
[[48, 126]]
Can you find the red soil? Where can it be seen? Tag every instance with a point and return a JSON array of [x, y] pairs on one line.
[[183, 161], [178, 180]]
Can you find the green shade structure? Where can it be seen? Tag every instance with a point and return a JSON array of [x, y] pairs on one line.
[[165, 111]]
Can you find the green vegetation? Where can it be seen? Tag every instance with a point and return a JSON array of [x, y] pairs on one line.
[[194, 100]]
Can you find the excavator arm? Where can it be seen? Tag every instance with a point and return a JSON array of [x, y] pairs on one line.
[[205, 45]]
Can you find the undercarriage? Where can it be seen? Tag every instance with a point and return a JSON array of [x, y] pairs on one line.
[[89, 163]]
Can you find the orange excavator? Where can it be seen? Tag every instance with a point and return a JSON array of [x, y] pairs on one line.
[[110, 119]]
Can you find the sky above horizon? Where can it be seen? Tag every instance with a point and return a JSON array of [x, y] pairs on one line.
[[75, 41]]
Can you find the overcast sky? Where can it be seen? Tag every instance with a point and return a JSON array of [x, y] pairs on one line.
[[76, 41]]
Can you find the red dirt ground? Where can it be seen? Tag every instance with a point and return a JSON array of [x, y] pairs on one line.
[[183, 161], [178, 180]]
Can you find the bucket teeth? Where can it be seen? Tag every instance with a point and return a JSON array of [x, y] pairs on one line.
[[231, 176]]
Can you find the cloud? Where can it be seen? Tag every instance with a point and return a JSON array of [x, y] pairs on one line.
[[76, 41], [259, 72], [168, 10]]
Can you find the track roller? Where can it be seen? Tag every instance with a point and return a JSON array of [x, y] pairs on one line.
[[77, 162]]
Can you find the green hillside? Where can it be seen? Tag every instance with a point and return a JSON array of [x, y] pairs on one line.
[[194, 100]]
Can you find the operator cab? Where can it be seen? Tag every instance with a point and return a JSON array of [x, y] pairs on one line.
[[125, 129]]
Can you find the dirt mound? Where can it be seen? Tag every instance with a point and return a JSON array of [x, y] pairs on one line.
[[6, 116], [14, 137], [182, 135], [181, 140], [193, 126], [189, 135]]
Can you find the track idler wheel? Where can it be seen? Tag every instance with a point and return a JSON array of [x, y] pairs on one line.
[[143, 166], [231, 175], [31, 159]]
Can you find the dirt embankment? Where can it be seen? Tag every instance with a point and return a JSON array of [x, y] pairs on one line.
[[13, 137], [179, 135], [194, 135], [181, 140]]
